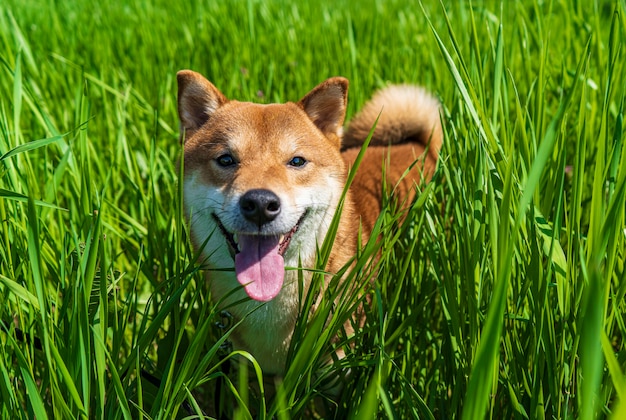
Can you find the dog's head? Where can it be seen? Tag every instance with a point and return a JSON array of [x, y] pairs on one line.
[[261, 182]]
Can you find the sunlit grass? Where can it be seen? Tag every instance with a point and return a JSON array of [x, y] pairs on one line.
[[503, 296]]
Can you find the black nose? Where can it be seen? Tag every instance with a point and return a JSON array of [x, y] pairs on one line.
[[259, 206]]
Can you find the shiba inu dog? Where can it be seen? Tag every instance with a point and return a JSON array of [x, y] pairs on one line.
[[262, 183]]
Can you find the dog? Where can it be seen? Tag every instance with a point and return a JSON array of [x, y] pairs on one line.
[[261, 183]]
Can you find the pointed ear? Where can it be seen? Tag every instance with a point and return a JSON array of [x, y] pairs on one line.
[[326, 105], [198, 99]]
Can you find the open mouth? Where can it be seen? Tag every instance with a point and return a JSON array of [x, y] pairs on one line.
[[259, 262], [284, 240]]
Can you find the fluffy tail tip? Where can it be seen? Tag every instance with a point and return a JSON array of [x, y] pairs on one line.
[[406, 114]]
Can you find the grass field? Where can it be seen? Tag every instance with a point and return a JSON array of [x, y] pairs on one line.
[[504, 296]]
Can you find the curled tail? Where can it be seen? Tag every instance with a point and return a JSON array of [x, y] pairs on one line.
[[408, 114]]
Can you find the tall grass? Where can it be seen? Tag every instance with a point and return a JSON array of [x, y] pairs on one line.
[[502, 296]]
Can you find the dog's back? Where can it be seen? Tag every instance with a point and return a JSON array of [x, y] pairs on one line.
[[407, 134]]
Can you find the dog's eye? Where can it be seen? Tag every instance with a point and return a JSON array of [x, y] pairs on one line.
[[225, 160], [297, 161]]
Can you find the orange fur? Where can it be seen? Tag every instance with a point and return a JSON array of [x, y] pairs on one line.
[[291, 156]]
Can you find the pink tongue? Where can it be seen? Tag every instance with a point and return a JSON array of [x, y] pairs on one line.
[[259, 266]]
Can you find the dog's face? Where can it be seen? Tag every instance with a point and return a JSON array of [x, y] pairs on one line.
[[261, 182]]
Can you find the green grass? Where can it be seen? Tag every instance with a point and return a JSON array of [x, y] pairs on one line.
[[502, 297]]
